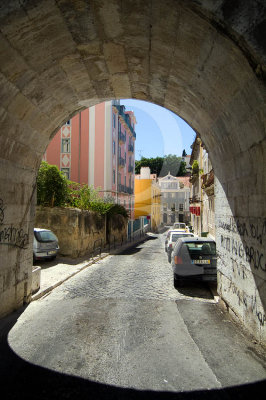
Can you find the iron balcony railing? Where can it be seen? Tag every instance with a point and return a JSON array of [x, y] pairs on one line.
[[121, 137], [130, 168], [121, 162], [124, 189], [126, 118], [131, 147], [194, 199]]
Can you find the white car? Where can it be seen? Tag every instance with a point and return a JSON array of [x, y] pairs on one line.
[[45, 244], [180, 225], [173, 238]]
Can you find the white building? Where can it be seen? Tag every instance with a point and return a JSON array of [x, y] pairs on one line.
[[175, 194]]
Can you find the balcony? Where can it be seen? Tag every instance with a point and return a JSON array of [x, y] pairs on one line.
[[124, 189], [121, 137], [121, 188], [207, 179], [194, 199], [130, 168], [121, 162], [126, 118], [131, 147], [208, 183]]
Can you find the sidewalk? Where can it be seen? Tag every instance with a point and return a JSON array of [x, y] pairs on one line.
[[54, 273]]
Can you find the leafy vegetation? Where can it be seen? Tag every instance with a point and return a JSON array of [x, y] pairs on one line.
[[162, 165], [53, 189]]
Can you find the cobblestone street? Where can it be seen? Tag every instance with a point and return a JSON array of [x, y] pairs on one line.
[[120, 322]]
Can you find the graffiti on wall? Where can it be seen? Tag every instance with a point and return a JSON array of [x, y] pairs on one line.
[[249, 302], [248, 249], [244, 243], [11, 235]]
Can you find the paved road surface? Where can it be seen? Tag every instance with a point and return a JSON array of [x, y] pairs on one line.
[[119, 329]]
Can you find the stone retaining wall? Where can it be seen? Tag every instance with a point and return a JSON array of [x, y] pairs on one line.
[[80, 232]]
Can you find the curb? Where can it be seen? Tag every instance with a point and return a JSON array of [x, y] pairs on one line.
[[38, 295]]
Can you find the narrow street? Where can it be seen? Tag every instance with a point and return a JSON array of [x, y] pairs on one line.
[[119, 329]]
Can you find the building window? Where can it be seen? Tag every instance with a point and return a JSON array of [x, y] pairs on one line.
[[125, 181], [65, 148], [114, 176], [113, 147], [114, 120], [68, 122], [66, 172], [181, 207]]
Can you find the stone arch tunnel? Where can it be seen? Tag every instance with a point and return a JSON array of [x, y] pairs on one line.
[[203, 60]]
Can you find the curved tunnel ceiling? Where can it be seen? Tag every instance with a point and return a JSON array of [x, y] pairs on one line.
[[199, 59]]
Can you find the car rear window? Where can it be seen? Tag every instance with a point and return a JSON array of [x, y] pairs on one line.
[[45, 236], [176, 236], [201, 248], [180, 226]]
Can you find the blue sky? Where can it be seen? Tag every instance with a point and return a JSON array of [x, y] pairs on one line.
[[159, 131]]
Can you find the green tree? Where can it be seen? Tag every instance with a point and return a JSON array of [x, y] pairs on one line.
[[184, 153], [51, 186], [87, 198], [162, 165]]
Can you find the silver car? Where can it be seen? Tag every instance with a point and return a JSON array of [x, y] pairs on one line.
[[45, 244], [194, 258], [174, 236]]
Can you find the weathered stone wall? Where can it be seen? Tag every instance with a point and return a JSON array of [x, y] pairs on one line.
[[16, 235], [207, 64], [241, 246], [80, 232], [117, 229]]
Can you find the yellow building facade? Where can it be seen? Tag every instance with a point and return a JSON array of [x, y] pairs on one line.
[[148, 197]]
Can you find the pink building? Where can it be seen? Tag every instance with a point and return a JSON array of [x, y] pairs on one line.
[[97, 147]]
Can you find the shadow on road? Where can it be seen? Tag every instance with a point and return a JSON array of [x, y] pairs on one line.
[[44, 264], [19, 378], [198, 289], [136, 248]]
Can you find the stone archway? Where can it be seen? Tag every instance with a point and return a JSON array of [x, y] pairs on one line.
[[204, 62]]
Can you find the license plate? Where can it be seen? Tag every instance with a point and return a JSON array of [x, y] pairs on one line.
[[51, 252], [200, 261]]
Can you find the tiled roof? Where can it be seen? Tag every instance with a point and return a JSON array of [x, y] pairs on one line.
[[184, 180]]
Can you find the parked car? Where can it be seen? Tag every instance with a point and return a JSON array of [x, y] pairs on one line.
[[180, 225], [167, 238], [45, 244], [173, 237], [194, 258]]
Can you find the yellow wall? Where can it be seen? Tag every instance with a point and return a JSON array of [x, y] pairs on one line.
[[142, 197], [155, 207], [148, 201]]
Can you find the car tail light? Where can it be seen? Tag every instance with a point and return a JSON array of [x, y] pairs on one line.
[[178, 260]]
